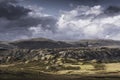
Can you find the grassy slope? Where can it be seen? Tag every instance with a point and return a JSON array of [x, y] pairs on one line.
[[33, 71]]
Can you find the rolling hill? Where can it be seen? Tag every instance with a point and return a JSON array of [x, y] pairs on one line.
[[37, 43]]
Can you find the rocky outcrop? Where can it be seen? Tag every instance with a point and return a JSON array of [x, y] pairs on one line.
[[60, 56]]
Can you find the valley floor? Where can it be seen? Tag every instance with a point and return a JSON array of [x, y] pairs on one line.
[[20, 72]]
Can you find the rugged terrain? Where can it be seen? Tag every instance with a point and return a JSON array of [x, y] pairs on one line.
[[40, 59]]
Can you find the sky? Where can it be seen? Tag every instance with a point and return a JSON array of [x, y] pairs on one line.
[[59, 19]]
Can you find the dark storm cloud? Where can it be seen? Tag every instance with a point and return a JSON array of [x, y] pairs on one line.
[[26, 22], [8, 1], [15, 21], [112, 10], [19, 29], [10, 14], [11, 11]]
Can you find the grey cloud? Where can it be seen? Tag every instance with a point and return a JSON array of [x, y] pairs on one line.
[[112, 10], [8, 1], [26, 22], [11, 11], [15, 21], [111, 29], [15, 29]]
